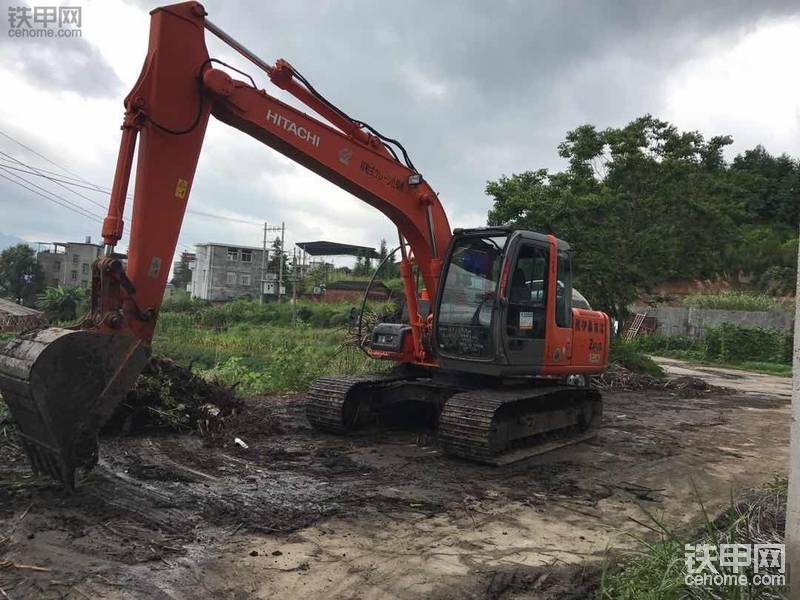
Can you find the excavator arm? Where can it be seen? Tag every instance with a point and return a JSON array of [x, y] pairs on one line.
[[168, 110], [62, 384]]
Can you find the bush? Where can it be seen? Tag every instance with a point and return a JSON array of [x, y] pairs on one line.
[[182, 302], [778, 280], [629, 356], [733, 343], [248, 311], [63, 304], [725, 343], [657, 343], [732, 301]]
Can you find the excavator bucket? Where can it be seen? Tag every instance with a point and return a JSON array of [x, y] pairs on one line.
[[61, 386]]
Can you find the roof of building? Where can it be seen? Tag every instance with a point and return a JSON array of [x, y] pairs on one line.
[[228, 245], [323, 248], [358, 286], [7, 307]]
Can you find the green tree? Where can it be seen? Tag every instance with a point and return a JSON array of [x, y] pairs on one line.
[[21, 277], [363, 266], [62, 304], [768, 186], [640, 204], [182, 275], [391, 269], [276, 256]]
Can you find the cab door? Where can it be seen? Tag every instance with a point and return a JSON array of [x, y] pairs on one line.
[[559, 334], [524, 317]]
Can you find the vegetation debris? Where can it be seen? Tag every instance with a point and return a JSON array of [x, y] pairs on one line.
[[616, 377], [169, 396]]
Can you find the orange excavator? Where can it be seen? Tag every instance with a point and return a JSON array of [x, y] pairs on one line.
[[492, 351]]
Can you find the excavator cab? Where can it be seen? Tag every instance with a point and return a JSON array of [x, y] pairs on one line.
[[505, 303]]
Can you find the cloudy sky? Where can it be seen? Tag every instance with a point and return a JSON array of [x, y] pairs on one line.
[[474, 89]]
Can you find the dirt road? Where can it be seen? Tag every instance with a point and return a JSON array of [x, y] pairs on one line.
[[300, 514], [744, 381]]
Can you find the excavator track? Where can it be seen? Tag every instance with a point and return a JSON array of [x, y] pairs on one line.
[[336, 404], [502, 426]]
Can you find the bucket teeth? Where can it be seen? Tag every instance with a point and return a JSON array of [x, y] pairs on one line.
[[47, 462]]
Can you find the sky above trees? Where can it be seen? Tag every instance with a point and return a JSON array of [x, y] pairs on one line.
[[474, 90]]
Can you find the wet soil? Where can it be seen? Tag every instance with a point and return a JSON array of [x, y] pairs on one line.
[[384, 514]]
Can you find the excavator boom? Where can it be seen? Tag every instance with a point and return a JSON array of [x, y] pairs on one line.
[[61, 385]]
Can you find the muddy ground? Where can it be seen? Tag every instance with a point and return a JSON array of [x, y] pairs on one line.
[[381, 515]]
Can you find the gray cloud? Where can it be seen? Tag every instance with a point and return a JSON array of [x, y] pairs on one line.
[[474, 89], [71, 64], [517, 75]]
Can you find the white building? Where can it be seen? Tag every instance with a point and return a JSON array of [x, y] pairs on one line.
[[225, 271]]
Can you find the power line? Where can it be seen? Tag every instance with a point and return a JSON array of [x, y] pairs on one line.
[[46, 191], [60, 200], [40, 155], [96, 188], [60, 176], [38, 193], [85, 197], [89, 186], [50, 176], [55, 198]]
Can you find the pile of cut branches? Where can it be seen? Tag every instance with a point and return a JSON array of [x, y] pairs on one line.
[[618, 378], [168, 396]]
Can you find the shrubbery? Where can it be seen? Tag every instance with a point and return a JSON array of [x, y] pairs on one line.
[[733, 343], [185, 312], [732, 301], [725, 343], [632, 358], [63, 304]]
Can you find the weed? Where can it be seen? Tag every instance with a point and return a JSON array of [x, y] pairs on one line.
[[733, 301], [657, 570], [632, 358]]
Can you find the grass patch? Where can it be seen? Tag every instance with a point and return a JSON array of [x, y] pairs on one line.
[[657, 570], [264, 348], [756, 349], [184, 311], [767, 368], [632, 358], [733, 301], [262, 358], [762, 367]]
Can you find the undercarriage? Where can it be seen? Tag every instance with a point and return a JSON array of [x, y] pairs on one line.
[[487, 420]]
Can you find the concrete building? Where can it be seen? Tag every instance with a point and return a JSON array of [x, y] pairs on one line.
[[68, 264], [224, 271]]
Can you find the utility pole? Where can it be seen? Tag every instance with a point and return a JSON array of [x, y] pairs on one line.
[[294, 286], [792, 540], [280, 261], [263, 266]]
